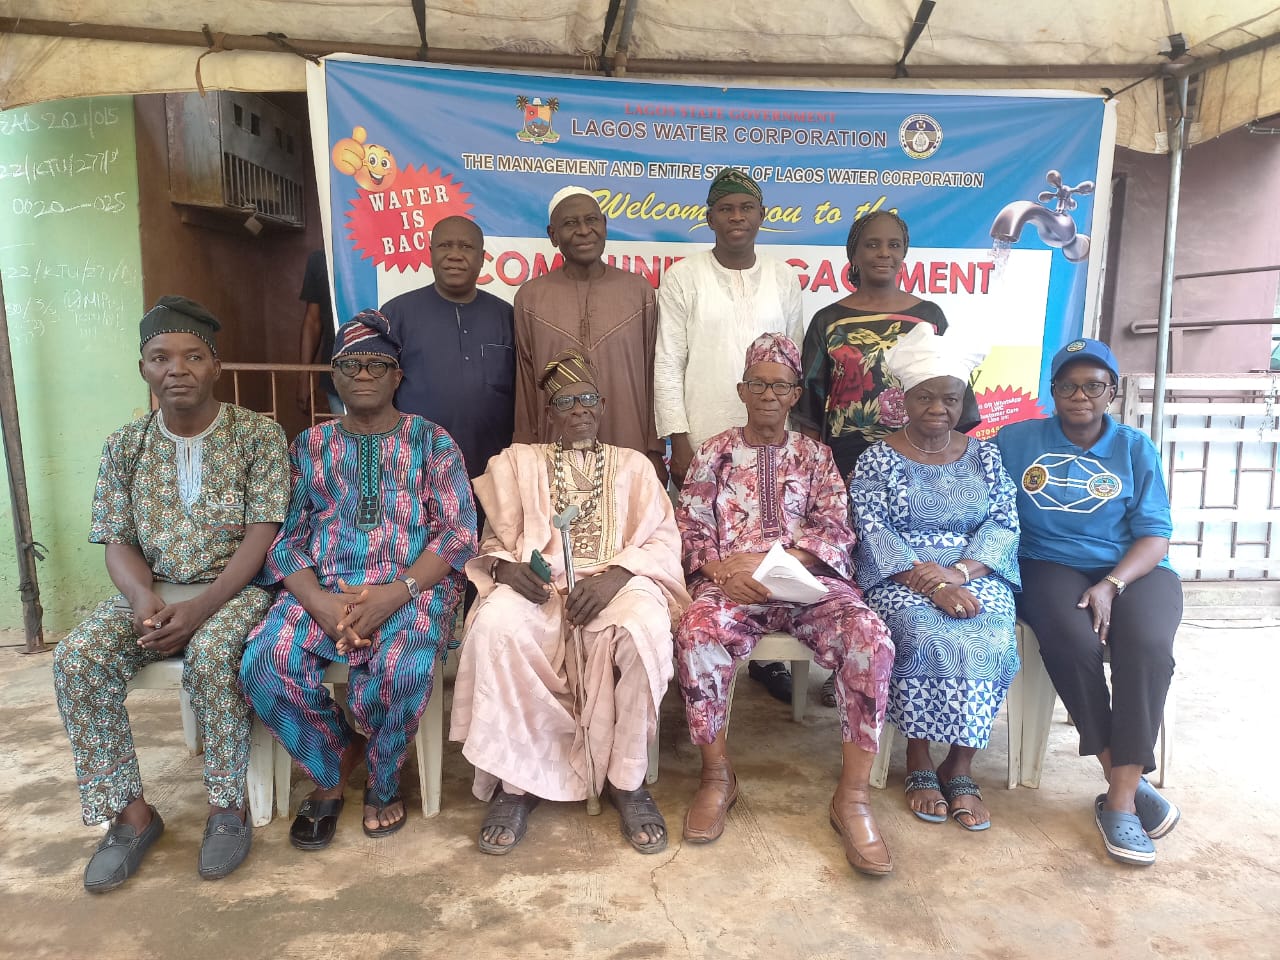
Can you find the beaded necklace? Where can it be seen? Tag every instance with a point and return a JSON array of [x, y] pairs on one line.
[[561, 481]]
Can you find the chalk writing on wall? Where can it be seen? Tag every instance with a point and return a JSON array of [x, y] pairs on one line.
[[69, 198]]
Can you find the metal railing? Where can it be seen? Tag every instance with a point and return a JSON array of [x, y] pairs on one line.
[[257, 386], [251, 395], [1221, 452]]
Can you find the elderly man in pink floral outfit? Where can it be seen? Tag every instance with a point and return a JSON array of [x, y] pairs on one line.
[[748, 489]]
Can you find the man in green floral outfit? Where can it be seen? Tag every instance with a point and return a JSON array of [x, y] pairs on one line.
[[187, 503]]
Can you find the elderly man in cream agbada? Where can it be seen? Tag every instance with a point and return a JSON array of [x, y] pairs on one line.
[[520, 704]]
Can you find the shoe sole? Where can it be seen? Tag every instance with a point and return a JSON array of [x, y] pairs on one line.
[[1123, 854], [1165, 826]]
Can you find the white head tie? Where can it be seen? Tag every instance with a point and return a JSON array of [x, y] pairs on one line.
[[921, 355]]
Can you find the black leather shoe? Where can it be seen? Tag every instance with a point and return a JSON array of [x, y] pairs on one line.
[[119, 854], [226, 843], [775, 676]]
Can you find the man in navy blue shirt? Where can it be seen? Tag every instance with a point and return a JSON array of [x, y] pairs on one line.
[[316, 342], [459, 348]]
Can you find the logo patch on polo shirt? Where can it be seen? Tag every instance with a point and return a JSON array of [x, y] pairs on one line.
[[1104, 486], [1034, 478], [1054, 483]]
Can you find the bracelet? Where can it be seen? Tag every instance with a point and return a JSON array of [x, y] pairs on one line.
[[963, 568], [493, 569], [941, 584]]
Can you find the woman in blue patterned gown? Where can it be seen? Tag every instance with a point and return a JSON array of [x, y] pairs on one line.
[[937, 560]]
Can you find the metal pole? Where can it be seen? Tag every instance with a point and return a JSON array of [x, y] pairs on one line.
[[1177, 141], [24, 542]]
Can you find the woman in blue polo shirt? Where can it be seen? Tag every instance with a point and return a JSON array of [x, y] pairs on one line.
[[1095, 534]]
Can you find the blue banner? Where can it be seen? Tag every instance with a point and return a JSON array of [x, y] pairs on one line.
[[998, 190]]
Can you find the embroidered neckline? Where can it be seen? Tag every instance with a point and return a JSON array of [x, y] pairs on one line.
[[188, 455], [386, 433]]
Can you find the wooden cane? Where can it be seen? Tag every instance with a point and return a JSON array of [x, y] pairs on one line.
[[562, 521]]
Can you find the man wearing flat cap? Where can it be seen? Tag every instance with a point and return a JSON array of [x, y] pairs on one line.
[[514, 698], [711, 306], [187, 502], [370, 558], [607, 314]]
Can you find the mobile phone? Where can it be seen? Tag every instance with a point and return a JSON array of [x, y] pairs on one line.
[[540, 566]]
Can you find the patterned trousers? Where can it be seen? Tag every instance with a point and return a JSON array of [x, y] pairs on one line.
[[843, 633], [90, 670], [283, 670]]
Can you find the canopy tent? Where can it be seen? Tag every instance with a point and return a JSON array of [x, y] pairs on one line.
[[51, 49]]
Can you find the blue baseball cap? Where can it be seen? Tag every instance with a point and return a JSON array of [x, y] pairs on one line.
[[1085, 349]]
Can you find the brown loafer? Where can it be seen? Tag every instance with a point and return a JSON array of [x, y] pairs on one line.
[[864, 848], [710, 807]]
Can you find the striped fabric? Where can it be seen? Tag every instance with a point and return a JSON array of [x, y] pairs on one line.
[[423, 503]]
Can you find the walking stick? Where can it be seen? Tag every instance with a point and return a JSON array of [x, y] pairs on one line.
[[562, 521]]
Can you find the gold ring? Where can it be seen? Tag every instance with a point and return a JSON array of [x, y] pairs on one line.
[[958, 608]]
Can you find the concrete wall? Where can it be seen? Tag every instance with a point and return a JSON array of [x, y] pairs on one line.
[[70, 258], [1229, 217], [76, 283]]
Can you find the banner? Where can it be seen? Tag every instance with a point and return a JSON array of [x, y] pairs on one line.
[[999, 191]]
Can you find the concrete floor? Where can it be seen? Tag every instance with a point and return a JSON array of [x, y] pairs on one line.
[[1038, 884]]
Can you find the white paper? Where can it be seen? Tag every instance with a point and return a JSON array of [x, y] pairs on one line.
[[786, 578]]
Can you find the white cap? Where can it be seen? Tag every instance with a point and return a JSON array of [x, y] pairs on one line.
[[564, 194], [921, 355]]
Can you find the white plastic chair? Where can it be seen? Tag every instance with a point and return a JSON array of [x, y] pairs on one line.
[[770, 647], [167, 675], [429, 742], [1039, 699]]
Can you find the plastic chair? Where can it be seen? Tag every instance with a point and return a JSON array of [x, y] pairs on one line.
[[429, 742], [770, 647], [167, 675], [1040, 698]]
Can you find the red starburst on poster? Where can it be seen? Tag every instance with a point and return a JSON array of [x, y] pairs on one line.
[[1003, 405], [393, 226]]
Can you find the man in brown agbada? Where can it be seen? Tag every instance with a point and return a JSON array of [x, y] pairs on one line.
[[608, 314]]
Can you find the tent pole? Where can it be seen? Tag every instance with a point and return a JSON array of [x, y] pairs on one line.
[[28, 582], [1177, 142]]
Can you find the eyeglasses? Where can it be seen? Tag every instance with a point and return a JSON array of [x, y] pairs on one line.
[[565, 404], [1093, 389], [780, 387], [351, 368]]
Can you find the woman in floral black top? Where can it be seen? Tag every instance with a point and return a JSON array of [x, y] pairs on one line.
[[848, 401]]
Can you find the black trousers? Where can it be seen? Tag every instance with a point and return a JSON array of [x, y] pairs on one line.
[[1144, 619]]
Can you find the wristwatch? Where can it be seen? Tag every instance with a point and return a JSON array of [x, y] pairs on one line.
[[412, 584], [1115, 582]]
